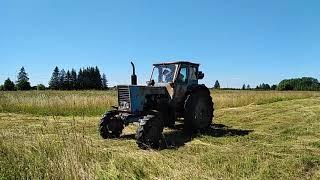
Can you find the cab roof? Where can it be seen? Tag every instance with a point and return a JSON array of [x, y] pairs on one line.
[[177, 62]]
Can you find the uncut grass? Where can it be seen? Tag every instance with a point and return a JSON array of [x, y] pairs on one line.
[[284, 144], [94, 103], [63, 103]]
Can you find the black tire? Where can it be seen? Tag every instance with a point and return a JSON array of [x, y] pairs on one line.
[[149, 132], [110, 125], [198, 109]]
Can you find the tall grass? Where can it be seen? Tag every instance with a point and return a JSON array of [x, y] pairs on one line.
[[76, 103], [93, 103], [230, 99]]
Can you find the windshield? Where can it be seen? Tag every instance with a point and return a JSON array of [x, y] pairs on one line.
[[163, 73]]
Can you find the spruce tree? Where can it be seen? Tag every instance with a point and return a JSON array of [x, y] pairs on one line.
[[217, 85], [55, 81], [62, 79], [68, 81], [97, 79], [104, 81], [244, 87], [73, 79], [8, 85], [80, 80], [23, 80]]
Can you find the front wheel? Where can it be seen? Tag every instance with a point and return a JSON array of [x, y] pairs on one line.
[[110, 125], [149, 132]]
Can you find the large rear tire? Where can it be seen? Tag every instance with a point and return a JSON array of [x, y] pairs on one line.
[[199, 110], [149, 132], [110, 125]]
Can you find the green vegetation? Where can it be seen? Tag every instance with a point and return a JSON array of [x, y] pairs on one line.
[[41, 87], [23, 83], [257, 135], [8, 85], [216, 85], [300, 84]]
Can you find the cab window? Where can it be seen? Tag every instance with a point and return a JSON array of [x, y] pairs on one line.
[[182, 75], [193, 73]]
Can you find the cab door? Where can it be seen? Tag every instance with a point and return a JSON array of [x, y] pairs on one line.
[[181, 84]]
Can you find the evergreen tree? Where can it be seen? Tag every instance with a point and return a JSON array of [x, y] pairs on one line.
[[68, 81], [73, 79], [244, 87], [80, 80], [216, 85], [55, 81], [62, 79], [104, 81], [97, 78], [274, 87], [8, 85], [23, 80], [267, 87], [263, 86], [248, 87]]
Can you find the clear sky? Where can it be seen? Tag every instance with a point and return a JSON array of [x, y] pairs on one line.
[[236, 41]]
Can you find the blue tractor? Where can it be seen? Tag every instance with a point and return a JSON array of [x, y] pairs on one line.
[[172, 93]]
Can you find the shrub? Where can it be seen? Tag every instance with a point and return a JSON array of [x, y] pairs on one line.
[[41, 87]]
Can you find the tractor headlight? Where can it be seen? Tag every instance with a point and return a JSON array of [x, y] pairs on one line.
[[125, 105]]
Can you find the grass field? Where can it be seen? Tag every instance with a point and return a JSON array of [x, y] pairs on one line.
[[256, 135]]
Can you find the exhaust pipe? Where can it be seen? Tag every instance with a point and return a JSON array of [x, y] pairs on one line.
[[133, 76]]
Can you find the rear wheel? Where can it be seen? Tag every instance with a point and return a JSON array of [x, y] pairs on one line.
[[198, 110], [110, 125], [149, 132]]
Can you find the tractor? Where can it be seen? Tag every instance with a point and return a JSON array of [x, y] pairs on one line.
[[172, 93]]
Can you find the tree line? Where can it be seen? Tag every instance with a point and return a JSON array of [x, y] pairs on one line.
[[262, 86], [86, 79], [296, 84]]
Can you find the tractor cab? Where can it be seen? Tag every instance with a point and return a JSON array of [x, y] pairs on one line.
[[176, 77], [180, 72]]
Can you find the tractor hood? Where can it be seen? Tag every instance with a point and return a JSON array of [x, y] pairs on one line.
[[132, 98]]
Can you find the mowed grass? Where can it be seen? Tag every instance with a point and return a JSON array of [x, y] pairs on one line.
[[274, 135]]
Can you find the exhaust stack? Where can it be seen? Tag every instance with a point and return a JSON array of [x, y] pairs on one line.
[[133, 76]]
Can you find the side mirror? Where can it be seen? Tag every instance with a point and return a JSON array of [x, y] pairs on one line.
[[200, 75]]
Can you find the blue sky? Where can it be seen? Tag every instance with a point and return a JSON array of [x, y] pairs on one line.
[[236, 41]]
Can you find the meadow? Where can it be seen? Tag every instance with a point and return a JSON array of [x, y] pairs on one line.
[[255, 135]]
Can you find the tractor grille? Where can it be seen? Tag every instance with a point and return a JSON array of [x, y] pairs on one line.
[[123, 96]]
